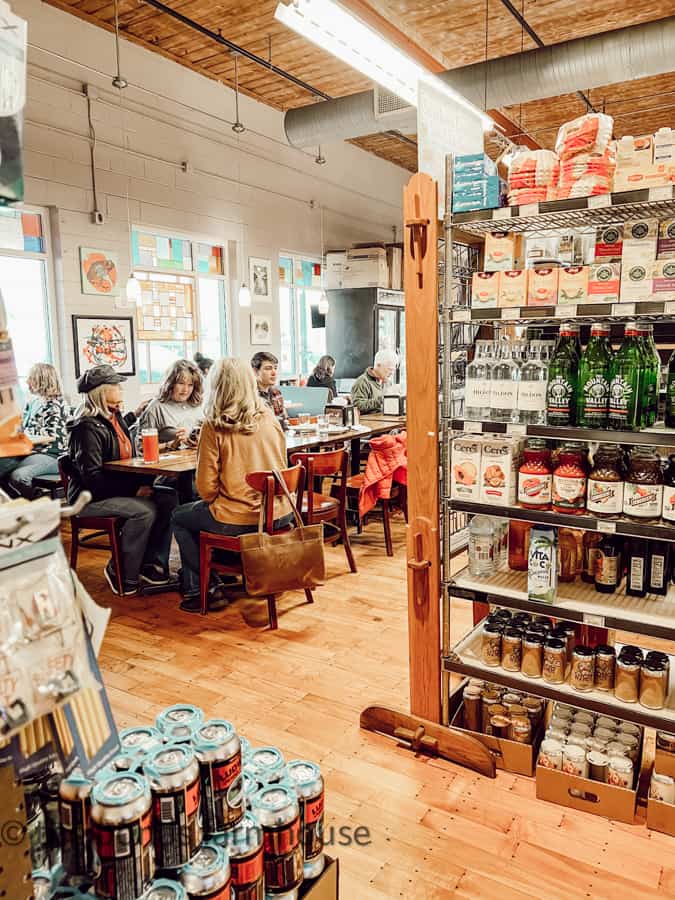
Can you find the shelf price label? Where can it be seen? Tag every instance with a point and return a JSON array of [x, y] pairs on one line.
[[665, 192], [606, 527], [599, 201], [529, 209], [461, 315], [669, 308], [590, 619], [623, 309], [473, 427], [511, 312], [503, 213], [565, 310], [516, 429]]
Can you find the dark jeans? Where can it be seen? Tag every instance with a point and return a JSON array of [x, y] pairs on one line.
[[191, 518], [19, 474], [146, 533]]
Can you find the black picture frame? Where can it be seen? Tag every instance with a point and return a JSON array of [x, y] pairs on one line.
[[81, 364]]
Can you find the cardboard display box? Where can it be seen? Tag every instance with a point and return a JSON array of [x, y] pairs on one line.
[[660, 816], [366, 267], [326, 886], [585, 794], [511, 756]]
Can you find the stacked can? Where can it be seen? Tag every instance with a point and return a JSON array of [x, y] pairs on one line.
[[278, 811], [176, 723], [165, 889], [121, 816], [135, 744], [207, 875], [173, 772], [306, 778], [218, 751], [266, 765], [244, 844], [75, 827]]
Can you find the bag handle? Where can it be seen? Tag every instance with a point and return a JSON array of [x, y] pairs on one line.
[[294, 508]]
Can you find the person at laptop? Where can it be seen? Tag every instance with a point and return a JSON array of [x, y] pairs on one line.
[[265, 368], [368, 390], [323, 376]]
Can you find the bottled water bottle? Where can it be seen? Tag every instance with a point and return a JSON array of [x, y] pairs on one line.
[[477, 391], [532, 387], [482, 542], [505, 376]]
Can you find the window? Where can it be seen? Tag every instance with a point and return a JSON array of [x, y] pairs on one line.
[[303, 328], [25, 285], [178, 313]]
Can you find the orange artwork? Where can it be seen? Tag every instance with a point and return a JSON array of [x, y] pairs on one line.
[[99, 272]]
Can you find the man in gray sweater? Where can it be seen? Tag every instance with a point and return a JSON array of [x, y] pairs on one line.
[[368, 389]]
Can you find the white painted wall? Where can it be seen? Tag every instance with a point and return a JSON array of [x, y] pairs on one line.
[[255, 190]]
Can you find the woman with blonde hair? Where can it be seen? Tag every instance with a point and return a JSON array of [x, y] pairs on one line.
[[45, 415], [240, 435]]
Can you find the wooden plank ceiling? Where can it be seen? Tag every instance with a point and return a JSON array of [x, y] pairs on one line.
[[454, 32]]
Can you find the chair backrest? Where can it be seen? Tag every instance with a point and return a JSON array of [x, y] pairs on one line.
[[269, 487], [66, 467], [321, 465], [313, 400]]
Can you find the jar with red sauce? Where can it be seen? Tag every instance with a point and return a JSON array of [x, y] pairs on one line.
[[535, 477], [570, 478]]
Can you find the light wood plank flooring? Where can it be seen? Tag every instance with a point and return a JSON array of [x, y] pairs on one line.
[[436, 830]]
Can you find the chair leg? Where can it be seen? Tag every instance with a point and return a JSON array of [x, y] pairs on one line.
[[272, 612], [403, 500], [204, 577], [309, 596], [387, 528], [74, 544], [345, 540], [117, 558]]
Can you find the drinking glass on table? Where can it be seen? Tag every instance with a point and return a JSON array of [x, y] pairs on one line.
[[322, 422], [150, 438]]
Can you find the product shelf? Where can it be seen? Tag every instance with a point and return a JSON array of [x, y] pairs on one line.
[[605, 209], [657, 436], [652, 615], [465, 659], [623, 527], [647, 310]]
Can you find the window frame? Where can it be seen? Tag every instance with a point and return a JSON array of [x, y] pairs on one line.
[[195, 275], [297, 325]]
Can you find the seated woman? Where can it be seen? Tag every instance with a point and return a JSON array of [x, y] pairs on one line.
[[177, 410], [45, 415], [323, 376], [99, 434], [240, 435]]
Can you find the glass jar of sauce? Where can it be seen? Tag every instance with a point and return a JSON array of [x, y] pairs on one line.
[[555, 658], [582, 676], [491, 644], [512, 649], [627, 677], [532, 654], [653, 685], [535, 477], [605, 483], [643, 491], [668, 511], [605, 662], [569, 482]]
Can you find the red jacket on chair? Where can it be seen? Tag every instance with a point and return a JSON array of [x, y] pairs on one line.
[[387, 462]]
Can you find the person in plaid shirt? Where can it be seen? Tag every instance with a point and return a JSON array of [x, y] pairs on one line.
[[265, 368]]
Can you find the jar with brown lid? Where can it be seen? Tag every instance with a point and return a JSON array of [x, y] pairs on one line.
[[569, 481], [535, 710], [532, 654], [555, 657], [653, 685], [643, 491], [520, 730], [471, 697], [605, 662], [499, 726], [665, 742], [488, 701], [491, 644], [605, 483], [627, 678], [512, 643]]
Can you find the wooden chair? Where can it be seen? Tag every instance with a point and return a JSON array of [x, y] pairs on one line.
[[398, 498], [267, 485], [48, 484], [100, 526], [318, 507]]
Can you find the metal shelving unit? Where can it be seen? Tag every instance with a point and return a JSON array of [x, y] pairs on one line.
[[650, 616]]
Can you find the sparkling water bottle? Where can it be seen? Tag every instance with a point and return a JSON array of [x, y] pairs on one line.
[[482, 542], [505, 376], [477, 391], [532, 387]]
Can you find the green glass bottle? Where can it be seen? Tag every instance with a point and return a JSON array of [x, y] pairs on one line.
[[653, 361], [594, 375], [563, 378], [670, 393], [625, 395]]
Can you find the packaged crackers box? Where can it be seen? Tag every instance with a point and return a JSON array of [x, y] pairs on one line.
[[635, 149], [663, 280], [485, 290], [604, 281], [636, 281], [573, 284], [608, 243], [503, 251], [499, 470], [542, 286], [465, 468], [513, 288], [665, 248], [664, 146]]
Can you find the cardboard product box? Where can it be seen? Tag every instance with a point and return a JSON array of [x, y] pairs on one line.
[[485, 290], [500, 460], [664, 146], [504, 251], [573, 284], [639, 238], [608, 243], [335, 266], [636, 281], [513, 288], [485, 194], [664, 763], [663, 279], [366, 267], [660, 815], [326, 886], [511, 756], [472, 167], [395, 263], [635, 149], [604, 283], [665, 248], [466, 460], [585, 794], [542, 286]]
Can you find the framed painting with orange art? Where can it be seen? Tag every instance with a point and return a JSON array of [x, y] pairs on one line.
[[99, 271]]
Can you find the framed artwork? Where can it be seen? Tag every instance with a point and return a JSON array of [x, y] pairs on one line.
[[261, 330], [99, 271], [260, 278], [104, 340]]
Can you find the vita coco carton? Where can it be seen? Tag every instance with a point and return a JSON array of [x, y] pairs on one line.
[[573, 284], [513, 288], [500, 460], [542, 286], [542, 565], [503, 251], [465, 468], [604, 280], [485, 289]]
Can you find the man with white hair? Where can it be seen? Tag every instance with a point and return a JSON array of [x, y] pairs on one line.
[[368, 389]]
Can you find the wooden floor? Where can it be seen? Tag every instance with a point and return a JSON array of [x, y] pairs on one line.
[[436, 830]]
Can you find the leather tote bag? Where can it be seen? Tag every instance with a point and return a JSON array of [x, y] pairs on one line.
[[290, 561]]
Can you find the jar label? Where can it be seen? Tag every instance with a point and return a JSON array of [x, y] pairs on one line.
[[605, 497], [559, 396], [669, 503], [620, 400], [532, 396], [504, 394], [607, 571], [595, 394], [534, 489], [657, 571], [636, 575], [477, 394], [569, 491], [642, 500]]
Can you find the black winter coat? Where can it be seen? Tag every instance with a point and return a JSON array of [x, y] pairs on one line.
[[91, 443]]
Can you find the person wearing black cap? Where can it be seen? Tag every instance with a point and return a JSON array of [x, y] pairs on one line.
[[98, 434]]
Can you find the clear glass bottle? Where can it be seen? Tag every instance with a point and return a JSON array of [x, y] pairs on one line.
[[532, 387], [482, 540], [477, 390], [505, 377]]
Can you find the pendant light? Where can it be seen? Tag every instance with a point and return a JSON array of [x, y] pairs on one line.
[[118, 81], [244, 295], [324, 305], [238, 127], [133, 290]]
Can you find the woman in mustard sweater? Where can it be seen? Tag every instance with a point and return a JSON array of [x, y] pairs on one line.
[[239, 436]]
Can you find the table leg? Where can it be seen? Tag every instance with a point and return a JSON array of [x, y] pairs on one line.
[[356, 455]]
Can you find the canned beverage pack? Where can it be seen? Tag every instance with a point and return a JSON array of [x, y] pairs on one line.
[[121, 817], [306, 777], [244, 843], [178, 722], [207, 875], [278, 811], [217, 748], [173, 772], [165, 889], [265, 764], [75, 826]]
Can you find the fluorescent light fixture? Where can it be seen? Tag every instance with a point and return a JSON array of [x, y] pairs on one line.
[[244, 296], [341, 34]]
